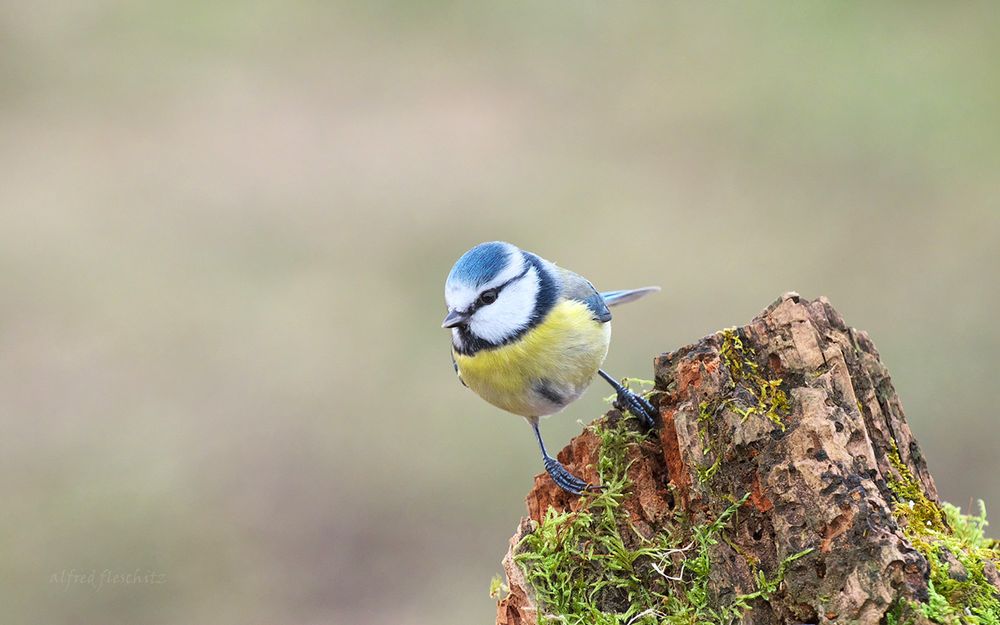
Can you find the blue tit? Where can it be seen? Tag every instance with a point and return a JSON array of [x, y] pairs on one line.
[[529, 337]]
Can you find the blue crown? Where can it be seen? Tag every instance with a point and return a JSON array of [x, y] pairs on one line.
[[482, 263]]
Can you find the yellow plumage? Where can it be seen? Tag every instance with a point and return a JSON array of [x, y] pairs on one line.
[[560, 356]]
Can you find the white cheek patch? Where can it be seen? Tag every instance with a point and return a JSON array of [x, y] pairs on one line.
[[510, 313]]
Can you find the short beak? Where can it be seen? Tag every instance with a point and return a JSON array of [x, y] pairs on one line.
[[453, 319]]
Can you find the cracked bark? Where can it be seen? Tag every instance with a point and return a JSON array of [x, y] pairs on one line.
[[822, 482]]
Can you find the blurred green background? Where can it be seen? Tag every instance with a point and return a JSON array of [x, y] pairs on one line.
[[226, 226]]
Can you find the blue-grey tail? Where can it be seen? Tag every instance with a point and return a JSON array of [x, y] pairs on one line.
[[613, 298]]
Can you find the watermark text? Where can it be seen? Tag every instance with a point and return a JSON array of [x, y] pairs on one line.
[[102, 578]]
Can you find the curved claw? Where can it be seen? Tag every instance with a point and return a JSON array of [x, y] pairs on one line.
[[637, 405], [566, 480]]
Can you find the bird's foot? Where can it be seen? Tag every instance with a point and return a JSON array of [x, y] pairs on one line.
[[637, 405], [566, 480], [627, 400]]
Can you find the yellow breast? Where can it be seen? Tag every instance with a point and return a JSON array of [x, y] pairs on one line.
[[558, 358]]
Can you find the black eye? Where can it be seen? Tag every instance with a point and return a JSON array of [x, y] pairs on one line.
[[488, 297]]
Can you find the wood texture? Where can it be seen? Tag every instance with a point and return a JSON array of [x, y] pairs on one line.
[[819, 479]]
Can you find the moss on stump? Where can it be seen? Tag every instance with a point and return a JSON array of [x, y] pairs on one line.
[[782, 486]]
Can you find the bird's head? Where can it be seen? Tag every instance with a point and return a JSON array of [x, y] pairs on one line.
[[495, 293]]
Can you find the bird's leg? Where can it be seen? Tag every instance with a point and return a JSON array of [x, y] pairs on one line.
[[636, 404], [560, 475]]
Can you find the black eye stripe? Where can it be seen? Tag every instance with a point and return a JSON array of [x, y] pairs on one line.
[[479, 303]]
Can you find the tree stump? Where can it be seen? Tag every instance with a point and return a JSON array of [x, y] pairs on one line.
[[782, 486]]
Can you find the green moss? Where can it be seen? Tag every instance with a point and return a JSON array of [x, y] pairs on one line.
[[958, 595], [498, 589], [706, 411], [583, 563], [902, 612], [705, 474], [592, 567], [912, 506], [767, 397], [741, 361], [767, 587]]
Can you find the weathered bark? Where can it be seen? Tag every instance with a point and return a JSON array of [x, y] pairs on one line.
[[818, 471]]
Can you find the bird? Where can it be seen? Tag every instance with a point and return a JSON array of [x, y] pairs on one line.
[[529, 337]]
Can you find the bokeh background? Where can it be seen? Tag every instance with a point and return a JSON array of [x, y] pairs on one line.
[[226, 225]]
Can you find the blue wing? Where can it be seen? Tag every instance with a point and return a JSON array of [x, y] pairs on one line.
[[598, 307], [575, 286], [613, 298]]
